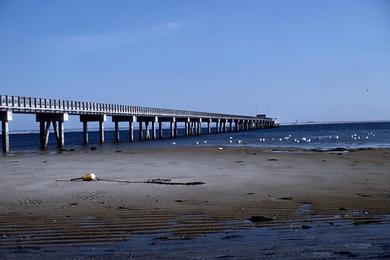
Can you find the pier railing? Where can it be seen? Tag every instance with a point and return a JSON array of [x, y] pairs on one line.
[[33, 105]]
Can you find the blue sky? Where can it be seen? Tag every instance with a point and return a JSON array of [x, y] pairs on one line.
[[296, 60]]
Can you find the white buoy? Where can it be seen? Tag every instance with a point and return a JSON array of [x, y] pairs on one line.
[[89, 177]]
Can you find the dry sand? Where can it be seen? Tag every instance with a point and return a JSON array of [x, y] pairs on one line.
[[293, 190]]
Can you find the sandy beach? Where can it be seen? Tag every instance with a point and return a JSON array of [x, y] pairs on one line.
[[248, 194]]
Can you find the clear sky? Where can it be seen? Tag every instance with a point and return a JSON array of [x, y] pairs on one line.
[[295, 60]]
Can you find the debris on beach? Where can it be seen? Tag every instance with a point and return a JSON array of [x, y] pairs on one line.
[[285, 198], [306, 227], [220, 148], [260, 219], [92, 177]]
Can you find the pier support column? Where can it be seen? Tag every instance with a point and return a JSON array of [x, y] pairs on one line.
[[154, 130], [101, 132], [191, 128], [61, 135], [5, 117], [147, 130], [117, 137], [209, 126], [176, 132], [131, 131], [172, 125], [200, 126], [186, 132], [47, 119], [217, 122], [196, 128], [85, 132], [160, 130], [224, 126], [230, 125], [141, 136]]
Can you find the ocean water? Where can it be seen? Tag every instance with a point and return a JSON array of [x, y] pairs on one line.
[[318, 136]]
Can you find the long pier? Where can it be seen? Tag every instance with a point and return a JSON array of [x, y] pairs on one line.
[[54, 112]]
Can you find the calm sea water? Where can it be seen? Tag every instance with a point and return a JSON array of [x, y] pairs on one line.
[[321, 136]]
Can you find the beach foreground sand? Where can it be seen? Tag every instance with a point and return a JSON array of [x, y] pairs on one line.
[[254, 203]]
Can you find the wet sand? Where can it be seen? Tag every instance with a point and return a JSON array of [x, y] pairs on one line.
[[254, 203]]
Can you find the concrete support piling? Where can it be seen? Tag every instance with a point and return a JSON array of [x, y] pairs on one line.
[[131, 131], [141, 136], [160, 130], [147, 130], [5, 136], [61, 135], [5, 117], [186, 132], [101, 132], [85, 132], [172, 133], [46, 133], [209, 126], [154, 130], [196, 128], [173, 127], [117, 137]]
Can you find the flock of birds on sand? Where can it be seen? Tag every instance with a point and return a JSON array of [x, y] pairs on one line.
[[289, 138]]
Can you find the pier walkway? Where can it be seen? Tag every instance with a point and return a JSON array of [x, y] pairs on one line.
[[54, 112]]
